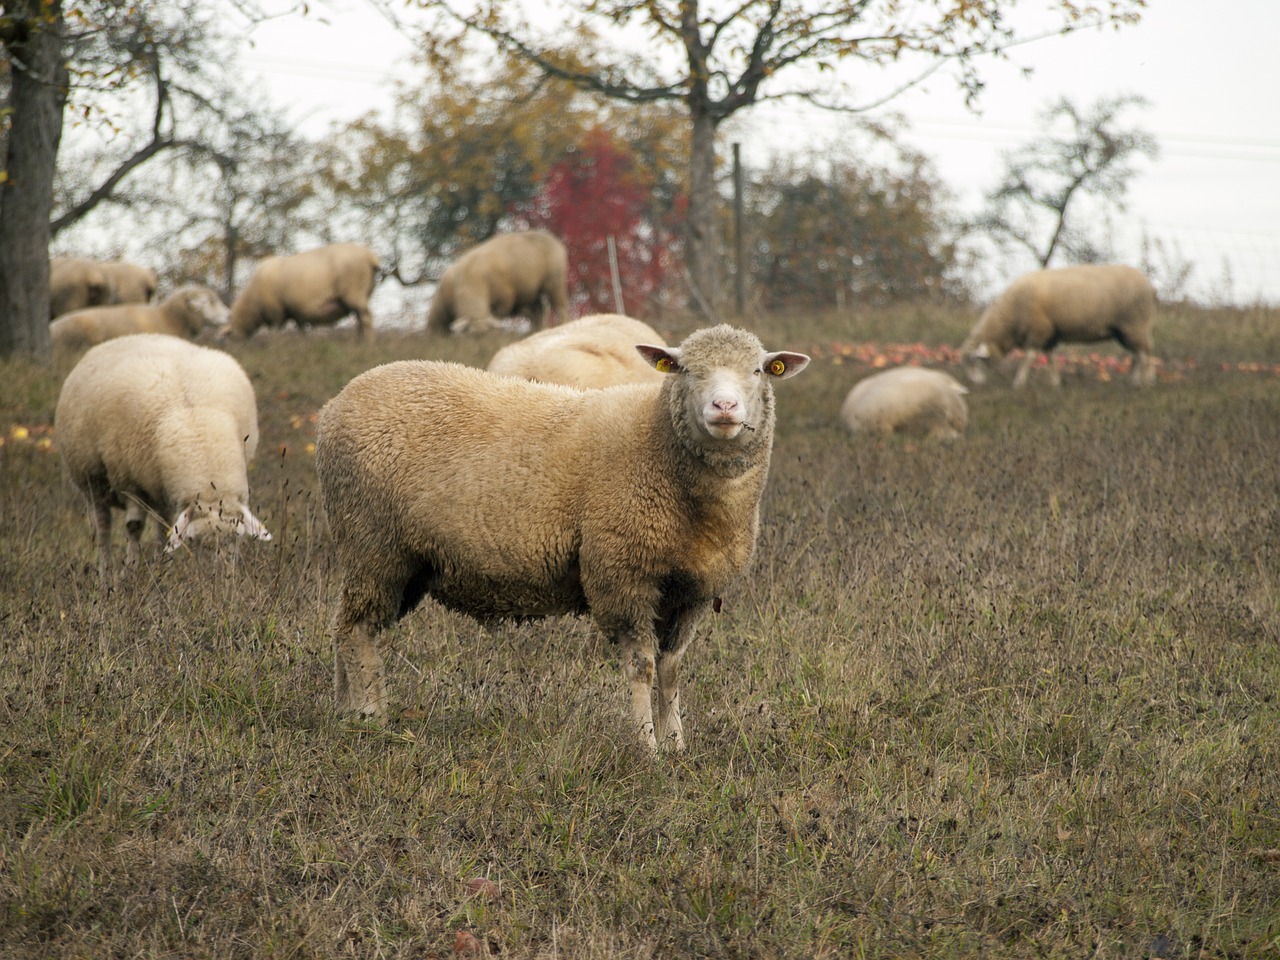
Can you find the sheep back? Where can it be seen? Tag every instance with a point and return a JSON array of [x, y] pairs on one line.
[[505, 276], [909, 400], [592, 352], [313, 288]]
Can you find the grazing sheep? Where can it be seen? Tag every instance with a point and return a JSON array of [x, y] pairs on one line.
[[907, 400], [76, 283], [502, 498], [509, 275], [149, 423], [318, 287], [131, 283], [593, 352], [1082, 304], [184, 313]]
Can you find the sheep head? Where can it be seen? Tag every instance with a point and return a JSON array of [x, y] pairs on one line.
[[203, 519], [723, 384]]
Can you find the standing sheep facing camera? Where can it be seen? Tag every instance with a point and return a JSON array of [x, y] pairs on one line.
[[315, 288], [593, 352], [500, 498], [508, 275], [184, 313], [907, 400], [1082, 304], [149, 423]]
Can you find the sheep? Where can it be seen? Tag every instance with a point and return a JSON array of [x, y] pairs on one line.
[[130, 282], [508, 275], [505, 498], [1082, 304], [76, 283], [149, 423], [593, 352], [184, 313], [320, 286], [907, 400]]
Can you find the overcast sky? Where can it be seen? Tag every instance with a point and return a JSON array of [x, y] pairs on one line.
[[1209, 71]]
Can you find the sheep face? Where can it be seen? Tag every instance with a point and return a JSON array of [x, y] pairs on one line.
[[210, 310], [977, 363], [203, 519], [725, 376]]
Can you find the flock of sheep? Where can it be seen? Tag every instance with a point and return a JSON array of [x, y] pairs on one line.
[[622, 475]]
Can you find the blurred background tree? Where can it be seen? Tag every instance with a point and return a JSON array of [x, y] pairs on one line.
[[833, 231]]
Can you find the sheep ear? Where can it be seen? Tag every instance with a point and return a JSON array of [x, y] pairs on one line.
[[178, 531], [253, 527], [783, 364], [662, 359]]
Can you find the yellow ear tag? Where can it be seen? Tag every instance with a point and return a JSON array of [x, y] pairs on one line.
[[663, 365], [777, 368]]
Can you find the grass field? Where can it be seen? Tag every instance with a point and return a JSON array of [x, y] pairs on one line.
[[1011, 697]]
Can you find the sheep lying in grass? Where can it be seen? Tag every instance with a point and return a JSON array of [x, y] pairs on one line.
[[907, 400], [184, 313], [1068, 305], [149, 423], [502, 498], [593, 352], [315, 288], [508, 275]]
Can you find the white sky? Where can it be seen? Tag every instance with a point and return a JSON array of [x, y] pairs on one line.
[[1209, 71]]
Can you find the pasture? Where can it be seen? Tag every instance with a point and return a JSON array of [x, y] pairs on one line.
[[1011, 697]]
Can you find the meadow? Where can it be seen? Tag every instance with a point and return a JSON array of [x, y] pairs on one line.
[[1015, 696]]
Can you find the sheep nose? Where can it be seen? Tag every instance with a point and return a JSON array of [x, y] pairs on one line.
[[725, 405]]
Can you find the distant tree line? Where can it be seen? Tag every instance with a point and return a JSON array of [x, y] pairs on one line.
[[165, 143]]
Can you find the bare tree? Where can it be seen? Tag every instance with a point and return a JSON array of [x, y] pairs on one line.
[[1083, 154], [716, 59]]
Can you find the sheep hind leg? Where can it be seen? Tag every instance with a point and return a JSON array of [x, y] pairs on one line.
[[135, 518], [639, 669], [1024, 369], [1143, 373], [101, 510]]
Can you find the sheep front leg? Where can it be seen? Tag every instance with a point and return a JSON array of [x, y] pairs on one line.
[[675, 641], [669, 699], [357, 672], [1024, 369], [638, 666]]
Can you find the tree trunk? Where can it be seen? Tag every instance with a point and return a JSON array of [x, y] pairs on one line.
[[702, 228], [38, 93]]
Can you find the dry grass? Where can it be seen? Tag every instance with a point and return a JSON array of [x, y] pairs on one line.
[[1014, 697]]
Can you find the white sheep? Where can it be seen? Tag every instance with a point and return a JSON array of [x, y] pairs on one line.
[[592, 352], [500, 497], [1081, 304], [907, 400], [507, 275], [149, 423], [184, 313], [316, 287]]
